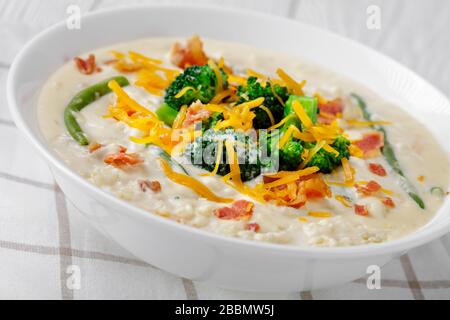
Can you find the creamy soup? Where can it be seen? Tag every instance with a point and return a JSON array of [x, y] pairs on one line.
[[363, 200]]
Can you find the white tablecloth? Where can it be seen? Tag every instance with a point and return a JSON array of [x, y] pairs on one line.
[[44, 241]]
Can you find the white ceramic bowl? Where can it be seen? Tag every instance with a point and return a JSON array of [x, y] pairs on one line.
[[193, 253]]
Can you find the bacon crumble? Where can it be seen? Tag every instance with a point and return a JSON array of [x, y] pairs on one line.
[[154, 186], [330, 110], [190, 55], [253, 227], [239, 210], [388, 202], [123, 159], [371, 143], [87, 66], [195, 113], [370, 188], [94, 147], [377, 169], [361, 210]]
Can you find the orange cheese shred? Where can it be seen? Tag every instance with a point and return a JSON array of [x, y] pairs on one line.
[[192, 183]]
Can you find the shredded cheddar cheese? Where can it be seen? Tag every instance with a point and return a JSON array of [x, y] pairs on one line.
[[320, 99], [312, 152], [297, 174], [237, 79], [233, 179], [272, 86], [320, 214], [152, 76], [339, 184], [253, 73], [192, 183], [302, 115], [297, 88], [221, 96], [355, 151], [219, 82], [269, 114], [348, 170], [218, 159], [345, 202], [282, 122], [330, 149], [286, 136], [184, 91], [137, 57], [240, 117], [122, 95], [367, 123]]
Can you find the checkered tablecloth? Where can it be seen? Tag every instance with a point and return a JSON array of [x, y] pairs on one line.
[[47, 250]]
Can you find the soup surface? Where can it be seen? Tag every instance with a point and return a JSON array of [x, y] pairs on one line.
[[336, 175]]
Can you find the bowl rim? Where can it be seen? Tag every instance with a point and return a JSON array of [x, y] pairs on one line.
[[401, 245]]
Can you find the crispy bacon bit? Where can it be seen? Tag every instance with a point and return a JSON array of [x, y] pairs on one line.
[[253, 227], [268, 179], [194, 113], [330, 110], [371, 143], [295, 194], [191, 55], [241, 209], [377, 169], [361, 210], [87, 66], [122, 149], [94, 147], [145, 185], [373, 186], [333, 107], [388, 202], [122, 159], [316, 188], [370, 188]]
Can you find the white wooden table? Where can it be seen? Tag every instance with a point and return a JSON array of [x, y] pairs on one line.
[[44, 242]]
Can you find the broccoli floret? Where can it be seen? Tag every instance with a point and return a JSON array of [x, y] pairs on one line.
[[202, 79], [328, 161], [272, 159], [254, 90], [202, 152], [211, 121], [291, 156], [341, 144]]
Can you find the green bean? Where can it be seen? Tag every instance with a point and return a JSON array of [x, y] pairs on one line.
[[389, 154], [81, 100]]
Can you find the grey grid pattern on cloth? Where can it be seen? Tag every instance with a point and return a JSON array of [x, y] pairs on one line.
[[42, 234]]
